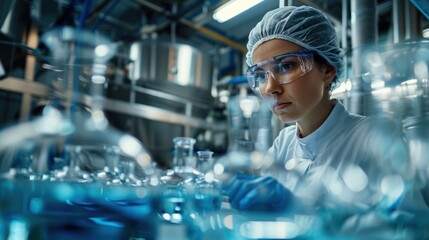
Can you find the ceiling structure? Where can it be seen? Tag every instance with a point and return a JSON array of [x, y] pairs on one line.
[[185, 20]]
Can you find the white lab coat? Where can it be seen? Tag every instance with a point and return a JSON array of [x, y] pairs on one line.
[[352, 165]]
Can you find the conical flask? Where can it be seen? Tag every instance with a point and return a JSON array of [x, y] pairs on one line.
[[84, 58], [71, 122]]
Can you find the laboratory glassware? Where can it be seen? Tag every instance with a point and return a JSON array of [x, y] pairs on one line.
[[173, 204], [75, 118], [72, 172], [204, 161]]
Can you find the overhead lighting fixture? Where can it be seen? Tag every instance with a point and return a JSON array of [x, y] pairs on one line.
[[232, 9], [426, 33], [2, 71]]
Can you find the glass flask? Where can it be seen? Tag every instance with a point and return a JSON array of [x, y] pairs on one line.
[[187, 196], [72, 122], [183, 170], [207, 195], [173, 205]]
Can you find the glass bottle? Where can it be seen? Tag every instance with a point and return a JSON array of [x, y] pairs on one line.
[[204, 161]]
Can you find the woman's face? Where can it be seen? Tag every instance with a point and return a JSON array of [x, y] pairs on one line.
[[304, 98]]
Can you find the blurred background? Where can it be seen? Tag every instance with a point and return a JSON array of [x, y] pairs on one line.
[[177, 65]]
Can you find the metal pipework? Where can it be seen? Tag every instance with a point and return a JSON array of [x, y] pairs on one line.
[[191, 24], [364, 34]]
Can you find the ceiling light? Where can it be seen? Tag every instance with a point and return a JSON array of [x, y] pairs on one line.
[[232, 9], [2, 71], [426, 33]]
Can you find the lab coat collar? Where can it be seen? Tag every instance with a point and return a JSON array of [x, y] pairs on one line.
[[311, 144]]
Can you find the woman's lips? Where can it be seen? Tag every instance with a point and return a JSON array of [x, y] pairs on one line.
[[281, 106]]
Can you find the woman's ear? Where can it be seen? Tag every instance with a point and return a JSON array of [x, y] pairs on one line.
[[330, 73]]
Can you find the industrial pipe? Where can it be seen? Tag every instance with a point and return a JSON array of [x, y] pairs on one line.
[[364, 35], [201, 29]]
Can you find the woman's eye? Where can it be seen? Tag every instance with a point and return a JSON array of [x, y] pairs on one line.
[[284, 67], [260, 77]]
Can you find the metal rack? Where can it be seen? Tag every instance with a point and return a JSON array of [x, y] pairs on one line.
[[131, 108]]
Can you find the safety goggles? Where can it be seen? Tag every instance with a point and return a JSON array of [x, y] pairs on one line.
[[283, 68]]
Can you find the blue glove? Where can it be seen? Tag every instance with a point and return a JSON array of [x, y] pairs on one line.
[[253, 193]]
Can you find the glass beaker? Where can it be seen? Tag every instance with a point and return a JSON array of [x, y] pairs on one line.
[[183, 151]]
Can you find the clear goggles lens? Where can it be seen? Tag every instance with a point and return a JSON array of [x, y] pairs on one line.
[[283, 68]]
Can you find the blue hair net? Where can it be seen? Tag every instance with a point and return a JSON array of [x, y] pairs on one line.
[[304, 26]]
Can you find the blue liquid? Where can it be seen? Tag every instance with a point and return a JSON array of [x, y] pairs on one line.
[[172, 206], [207, 201], [58, 210]]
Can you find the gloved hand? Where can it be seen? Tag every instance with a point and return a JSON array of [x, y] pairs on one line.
[[253, 193]]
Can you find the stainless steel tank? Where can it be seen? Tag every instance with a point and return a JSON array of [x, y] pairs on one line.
[[177, 63], [182, 75]]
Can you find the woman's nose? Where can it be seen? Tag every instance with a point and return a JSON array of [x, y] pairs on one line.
[[272, 87]]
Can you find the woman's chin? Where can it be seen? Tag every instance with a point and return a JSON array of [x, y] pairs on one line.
[[285, 119]]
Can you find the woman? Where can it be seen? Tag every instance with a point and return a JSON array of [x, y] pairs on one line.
[[329, 157]]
